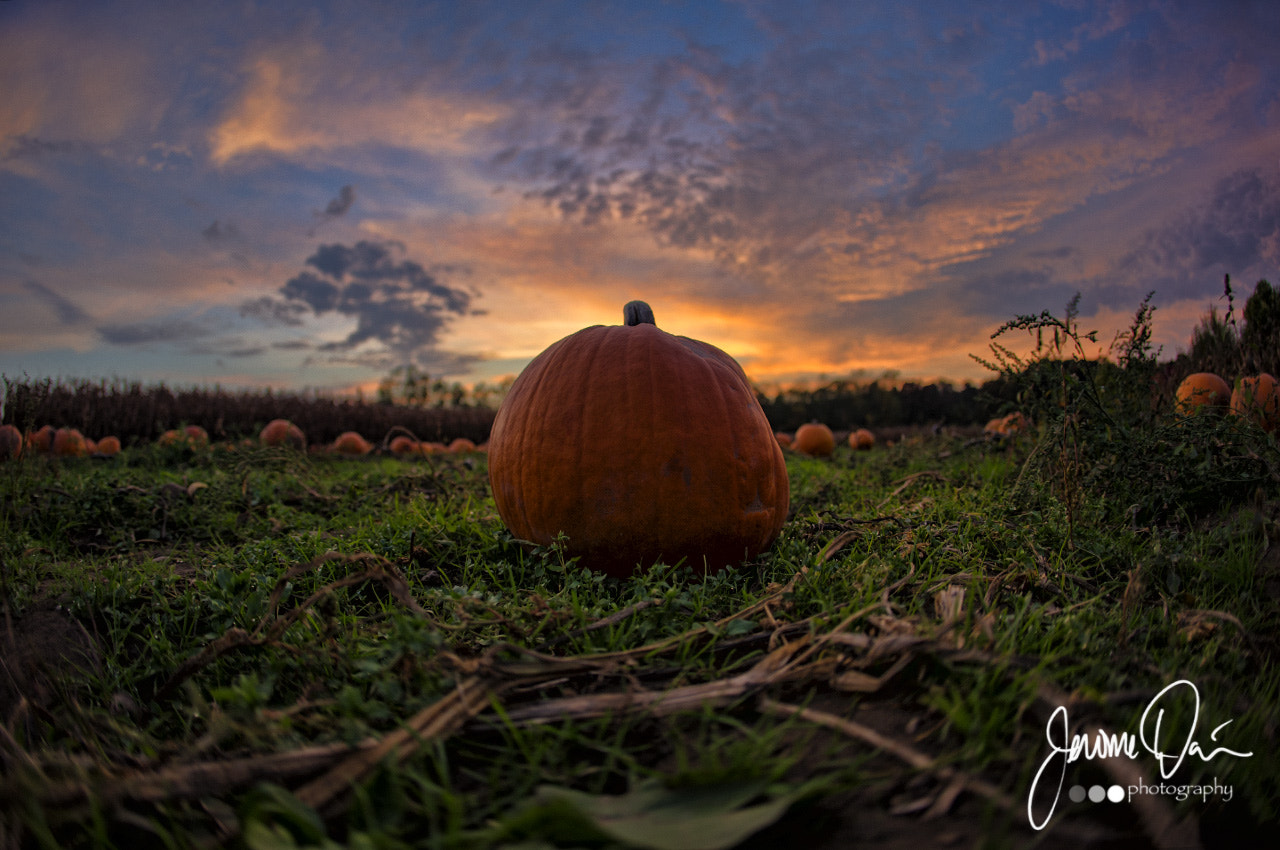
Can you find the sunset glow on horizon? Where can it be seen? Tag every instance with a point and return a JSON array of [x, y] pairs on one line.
[[291, 195]]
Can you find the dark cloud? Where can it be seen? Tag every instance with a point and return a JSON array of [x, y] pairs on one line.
[[396, 303], [749, 156], [32, 147], [219, 232], [1236, 231], [143, 333], [273, 311], [337, 207], [67, 312]]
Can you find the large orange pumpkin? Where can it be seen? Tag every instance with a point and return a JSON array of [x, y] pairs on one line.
[[814, 438], [1201, 390], [1257, 398], [638, 446]]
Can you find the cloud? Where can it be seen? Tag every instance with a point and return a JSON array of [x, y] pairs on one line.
[[1235, 231], [67, 312], [398, 305], [339, 205], [297, 100], [219, 232], [145, 333]]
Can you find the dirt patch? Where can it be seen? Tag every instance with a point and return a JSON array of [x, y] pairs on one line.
[[40, 652]]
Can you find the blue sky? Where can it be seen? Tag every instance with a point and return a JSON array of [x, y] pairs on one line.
[[307, 194]]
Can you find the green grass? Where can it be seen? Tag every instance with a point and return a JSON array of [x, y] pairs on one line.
[[940, 591]]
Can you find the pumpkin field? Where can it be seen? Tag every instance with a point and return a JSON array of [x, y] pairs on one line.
[[233, 642]]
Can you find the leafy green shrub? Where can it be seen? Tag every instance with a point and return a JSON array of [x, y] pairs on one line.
[[1106, 430]]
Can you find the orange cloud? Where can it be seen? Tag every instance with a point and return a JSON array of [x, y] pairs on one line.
[[293, 102]]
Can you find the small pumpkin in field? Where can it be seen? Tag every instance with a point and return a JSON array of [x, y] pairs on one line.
[[403, 445], [638, 445], [814, 438], [783, 438], [10, 442], [41, 440], [862, 440], [1256, 398], [282, 432], [1014, 423], [109, 446], [69, 442], [351, 443], [1201, 390], [462, 444], [197, 437]]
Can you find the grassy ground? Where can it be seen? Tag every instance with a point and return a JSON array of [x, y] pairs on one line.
[[205, 648]]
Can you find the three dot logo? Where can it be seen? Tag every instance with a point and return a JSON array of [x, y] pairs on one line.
[[1096, 794]]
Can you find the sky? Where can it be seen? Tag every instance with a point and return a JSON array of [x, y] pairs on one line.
[[306, 195]]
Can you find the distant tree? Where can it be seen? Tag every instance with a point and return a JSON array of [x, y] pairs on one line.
[[410, 386], [1260, 338]]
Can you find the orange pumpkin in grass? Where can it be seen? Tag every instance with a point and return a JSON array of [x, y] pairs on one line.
[[1256, 398], [11, 442], [282, 432], [109, 446], [69, 442], [462, 444], [814, 438], [1201, 390], [638, 446], [41, 441], [403, 445], [862, 440], [783, 438], [351, 443]]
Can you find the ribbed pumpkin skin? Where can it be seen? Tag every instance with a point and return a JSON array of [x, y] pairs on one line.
[[1258, 398], [638, 445], [1201, 389]]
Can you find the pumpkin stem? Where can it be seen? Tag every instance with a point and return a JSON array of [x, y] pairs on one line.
[[637, 313]]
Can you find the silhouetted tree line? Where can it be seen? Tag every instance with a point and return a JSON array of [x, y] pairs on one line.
[[848, 404], [134, 412]]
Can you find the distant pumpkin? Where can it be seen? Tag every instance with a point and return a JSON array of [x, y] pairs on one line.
[[814, 438], [10, 442], [783, 438], [282, 432], [41, 441], [197, 437], [1014, 423], [862, 440], [638, 446], [351, 443], [109, 446], [69, 442], [462, 444], [403, 445], [1257, 399], [1201, 390]]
